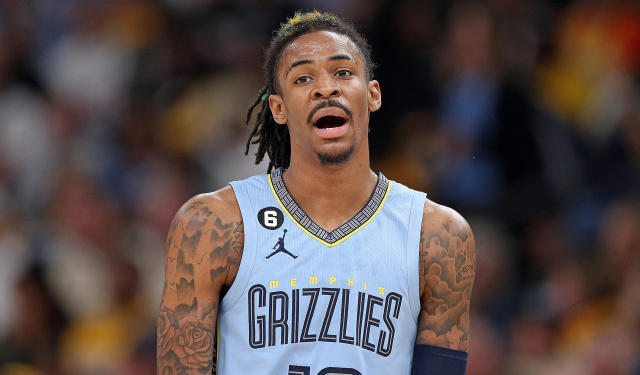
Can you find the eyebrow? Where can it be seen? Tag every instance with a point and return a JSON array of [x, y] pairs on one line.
[[341, 57], [296, 63], [308, 61]]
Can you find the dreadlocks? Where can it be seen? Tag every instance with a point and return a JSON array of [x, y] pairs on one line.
[[273, 139]]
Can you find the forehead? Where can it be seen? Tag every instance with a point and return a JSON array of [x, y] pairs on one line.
[[319, 45]]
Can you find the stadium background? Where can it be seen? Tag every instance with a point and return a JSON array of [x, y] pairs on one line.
[[524, 115]]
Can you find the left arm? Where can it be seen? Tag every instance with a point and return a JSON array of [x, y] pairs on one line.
[[447, 270]]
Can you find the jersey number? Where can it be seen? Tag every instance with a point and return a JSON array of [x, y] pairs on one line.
[[271, 219], [306, 370]]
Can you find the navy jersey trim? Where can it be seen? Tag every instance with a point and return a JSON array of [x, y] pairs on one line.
[[337, 235]]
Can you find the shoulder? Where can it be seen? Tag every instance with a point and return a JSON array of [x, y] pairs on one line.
[[209, 225], [437, 217], [444, 235], [221, 203]]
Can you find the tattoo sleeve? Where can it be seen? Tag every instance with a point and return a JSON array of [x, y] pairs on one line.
[[447, 269], [203, 252]]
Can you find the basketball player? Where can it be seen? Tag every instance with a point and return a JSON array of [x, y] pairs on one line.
[[367, 277]]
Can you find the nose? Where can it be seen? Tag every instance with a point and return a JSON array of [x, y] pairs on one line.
[[326, 88]]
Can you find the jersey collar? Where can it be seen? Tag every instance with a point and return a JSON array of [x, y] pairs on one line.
[[362, 218]]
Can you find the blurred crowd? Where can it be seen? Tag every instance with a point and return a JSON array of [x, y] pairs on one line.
[[523, 115]]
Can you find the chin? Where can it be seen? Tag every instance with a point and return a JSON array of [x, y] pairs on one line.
[[336, 157]]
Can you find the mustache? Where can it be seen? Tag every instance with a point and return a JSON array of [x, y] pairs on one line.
[[326, 104]]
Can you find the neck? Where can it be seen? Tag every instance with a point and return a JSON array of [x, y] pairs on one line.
[[331, 194]]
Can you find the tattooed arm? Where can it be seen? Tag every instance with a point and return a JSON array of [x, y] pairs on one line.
[[203, 252], [447, 269]]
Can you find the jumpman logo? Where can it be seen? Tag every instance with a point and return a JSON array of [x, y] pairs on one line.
[[280, 247]]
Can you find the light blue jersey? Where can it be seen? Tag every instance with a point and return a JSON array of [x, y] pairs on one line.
[[306, 301]]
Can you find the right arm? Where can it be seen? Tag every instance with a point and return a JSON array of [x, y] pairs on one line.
[[203, 252]]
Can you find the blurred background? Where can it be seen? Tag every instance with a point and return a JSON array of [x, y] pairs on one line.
[[523, 115]]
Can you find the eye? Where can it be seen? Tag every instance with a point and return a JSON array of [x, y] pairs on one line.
[[302, 79], [343, 73]]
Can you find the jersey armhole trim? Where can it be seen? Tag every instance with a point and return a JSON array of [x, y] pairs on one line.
[[248, 250], [413, 252]]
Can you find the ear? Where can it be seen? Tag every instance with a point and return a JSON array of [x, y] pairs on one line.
[[375, 96], [278, 109]]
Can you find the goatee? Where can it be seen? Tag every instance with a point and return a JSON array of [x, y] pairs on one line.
[[333, 159]]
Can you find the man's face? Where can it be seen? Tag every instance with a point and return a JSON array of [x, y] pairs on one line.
[[325, 97]]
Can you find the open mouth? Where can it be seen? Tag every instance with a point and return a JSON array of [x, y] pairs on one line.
[[327, 122]]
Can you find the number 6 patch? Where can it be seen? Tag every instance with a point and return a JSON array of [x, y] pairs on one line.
[[271, 218]]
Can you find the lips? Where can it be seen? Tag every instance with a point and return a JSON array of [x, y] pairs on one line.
[[326, 122], [330, 117], [330, 123]]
